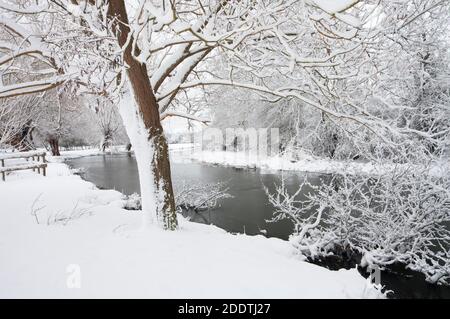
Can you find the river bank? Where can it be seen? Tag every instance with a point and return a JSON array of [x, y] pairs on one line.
[[248, 211], [71, 229], [302, 163]]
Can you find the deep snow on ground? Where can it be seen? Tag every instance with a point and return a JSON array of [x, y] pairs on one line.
[[118, 259]]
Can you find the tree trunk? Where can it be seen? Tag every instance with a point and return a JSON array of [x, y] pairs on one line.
[[103, 146], [23, 140], [54, 146], [144, 128]]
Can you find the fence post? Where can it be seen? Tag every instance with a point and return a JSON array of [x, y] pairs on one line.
[[3, 173], [44, 169]]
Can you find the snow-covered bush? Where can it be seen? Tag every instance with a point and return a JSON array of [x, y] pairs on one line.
[[401, 216], [199, 197], [196, 197], [132, 202]]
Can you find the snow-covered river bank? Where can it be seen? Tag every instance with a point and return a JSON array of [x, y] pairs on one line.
[[248, 210], [61, 236]]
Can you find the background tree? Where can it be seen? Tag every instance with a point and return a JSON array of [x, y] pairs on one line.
[[18, 118], [60, 112], [108, 121]]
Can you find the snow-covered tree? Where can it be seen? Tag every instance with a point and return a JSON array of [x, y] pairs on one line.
[[108, 122], [148, 52], [60, 112], [18, 118], [145, 55]]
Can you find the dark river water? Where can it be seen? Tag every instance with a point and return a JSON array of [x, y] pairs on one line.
[[248, 211]]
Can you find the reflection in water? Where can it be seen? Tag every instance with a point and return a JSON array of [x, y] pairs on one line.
[[248, 210]]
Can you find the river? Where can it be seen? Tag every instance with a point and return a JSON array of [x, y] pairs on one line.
[[248, 211]]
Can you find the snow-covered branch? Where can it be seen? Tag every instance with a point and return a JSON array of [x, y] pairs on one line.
[[400, 216], [184, 115], [200, 197], [31, 87]]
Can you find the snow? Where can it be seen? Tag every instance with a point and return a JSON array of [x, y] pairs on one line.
[[350, 20], [79, 227], [89, 152], [334, 6], [144, 152], [30, 9], [113, 150], [31, 86], [12, 155], [305, 163], [185, 153], [26, 165]]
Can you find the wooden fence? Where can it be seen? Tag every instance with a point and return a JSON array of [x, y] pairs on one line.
[[35, 161]]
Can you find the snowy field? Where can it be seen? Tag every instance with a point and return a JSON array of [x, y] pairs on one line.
[[59, 230]]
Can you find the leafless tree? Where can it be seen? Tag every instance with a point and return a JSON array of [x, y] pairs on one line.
[[17, 121]]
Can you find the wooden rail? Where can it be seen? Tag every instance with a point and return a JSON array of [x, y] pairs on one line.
[[34, 164]]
